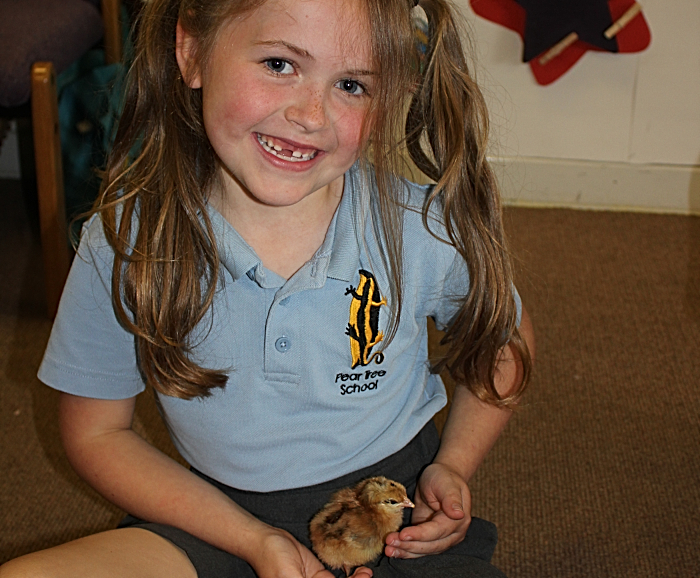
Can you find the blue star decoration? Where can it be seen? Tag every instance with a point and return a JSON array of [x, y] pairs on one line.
[[547, 22]]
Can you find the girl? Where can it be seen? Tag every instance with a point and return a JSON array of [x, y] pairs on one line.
[[255, 261]]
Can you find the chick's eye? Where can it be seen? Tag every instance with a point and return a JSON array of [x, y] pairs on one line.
[[391, 502], [351, 87], [279, 66]]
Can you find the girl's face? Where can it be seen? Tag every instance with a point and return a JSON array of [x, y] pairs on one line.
[[285, 92]]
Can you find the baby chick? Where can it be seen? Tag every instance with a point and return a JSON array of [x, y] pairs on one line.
[[350, 530]]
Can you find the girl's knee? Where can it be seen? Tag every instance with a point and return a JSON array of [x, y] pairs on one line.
[[29, 566], [127, 553]]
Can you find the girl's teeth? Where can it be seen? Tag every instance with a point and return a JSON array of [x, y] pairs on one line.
[[293, 156]]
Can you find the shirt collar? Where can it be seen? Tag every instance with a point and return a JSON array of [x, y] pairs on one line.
[[349, 226], [235, 254], [337, 258]]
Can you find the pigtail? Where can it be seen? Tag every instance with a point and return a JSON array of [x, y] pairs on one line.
[[448, 117], [153, 209], [392, 41]]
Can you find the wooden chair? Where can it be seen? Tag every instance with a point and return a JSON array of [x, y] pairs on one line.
[[46, 36]]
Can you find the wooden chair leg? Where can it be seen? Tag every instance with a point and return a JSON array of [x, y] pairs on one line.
[[113, 31], [49, 174]]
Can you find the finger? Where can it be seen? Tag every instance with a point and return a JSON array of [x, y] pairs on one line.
[[452, 505], [418, 549], [427, 498], [322, 574], [440, 526], [423, 514], [362, 572], [393, 537], [452, 498]]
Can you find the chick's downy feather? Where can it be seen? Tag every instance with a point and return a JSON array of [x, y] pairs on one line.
[[351, 528]]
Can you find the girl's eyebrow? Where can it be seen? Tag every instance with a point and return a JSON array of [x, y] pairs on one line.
[[362, 73], [287, 45], [305, 54]]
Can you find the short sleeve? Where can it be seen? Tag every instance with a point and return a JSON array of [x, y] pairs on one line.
[[455, 287], [89, 353]]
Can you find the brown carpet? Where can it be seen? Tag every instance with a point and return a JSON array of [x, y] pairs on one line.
[[597, 475]]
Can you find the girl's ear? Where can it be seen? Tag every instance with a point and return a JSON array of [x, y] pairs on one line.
[[185, 54]]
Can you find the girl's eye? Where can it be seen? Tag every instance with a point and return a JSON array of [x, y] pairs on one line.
[[279, 66], [351, 87]]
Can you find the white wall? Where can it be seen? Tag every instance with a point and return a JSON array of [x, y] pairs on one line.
[[616, 131]]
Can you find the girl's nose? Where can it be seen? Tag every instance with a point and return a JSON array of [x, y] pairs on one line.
[[308, 110]]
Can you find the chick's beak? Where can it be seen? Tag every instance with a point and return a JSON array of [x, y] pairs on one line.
[[408, 503]]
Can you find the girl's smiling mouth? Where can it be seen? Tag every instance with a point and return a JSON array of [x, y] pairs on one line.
[[285, 150]]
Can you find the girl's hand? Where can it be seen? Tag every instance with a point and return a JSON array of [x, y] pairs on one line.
[[282, 556], [441, 516]]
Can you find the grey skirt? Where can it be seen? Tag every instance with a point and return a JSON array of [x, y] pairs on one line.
[[291, 510]]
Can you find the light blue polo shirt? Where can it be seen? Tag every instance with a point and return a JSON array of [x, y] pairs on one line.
[[312, 393]]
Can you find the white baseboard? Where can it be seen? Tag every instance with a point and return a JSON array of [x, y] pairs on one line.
[[600, 186]]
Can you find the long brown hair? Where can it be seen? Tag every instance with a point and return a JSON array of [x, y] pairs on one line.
[[153, 204], [446, 135]]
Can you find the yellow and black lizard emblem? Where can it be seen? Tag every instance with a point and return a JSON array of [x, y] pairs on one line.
[[363, 328]]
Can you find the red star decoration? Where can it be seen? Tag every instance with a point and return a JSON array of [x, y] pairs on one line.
[[550, 64]]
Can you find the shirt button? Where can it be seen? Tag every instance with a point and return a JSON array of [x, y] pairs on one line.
[[283, 344]]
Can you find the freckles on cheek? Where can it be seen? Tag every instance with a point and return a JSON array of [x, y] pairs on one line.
[[352, 128], [237, 107]]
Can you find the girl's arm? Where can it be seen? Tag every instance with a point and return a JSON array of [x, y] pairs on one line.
[[140, 479], [473, 426], [443, 501]]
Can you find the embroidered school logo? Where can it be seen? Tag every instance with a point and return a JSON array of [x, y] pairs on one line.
[[363, 328]]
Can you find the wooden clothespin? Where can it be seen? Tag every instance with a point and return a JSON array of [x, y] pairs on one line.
[[558, 48], [623, 21]]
